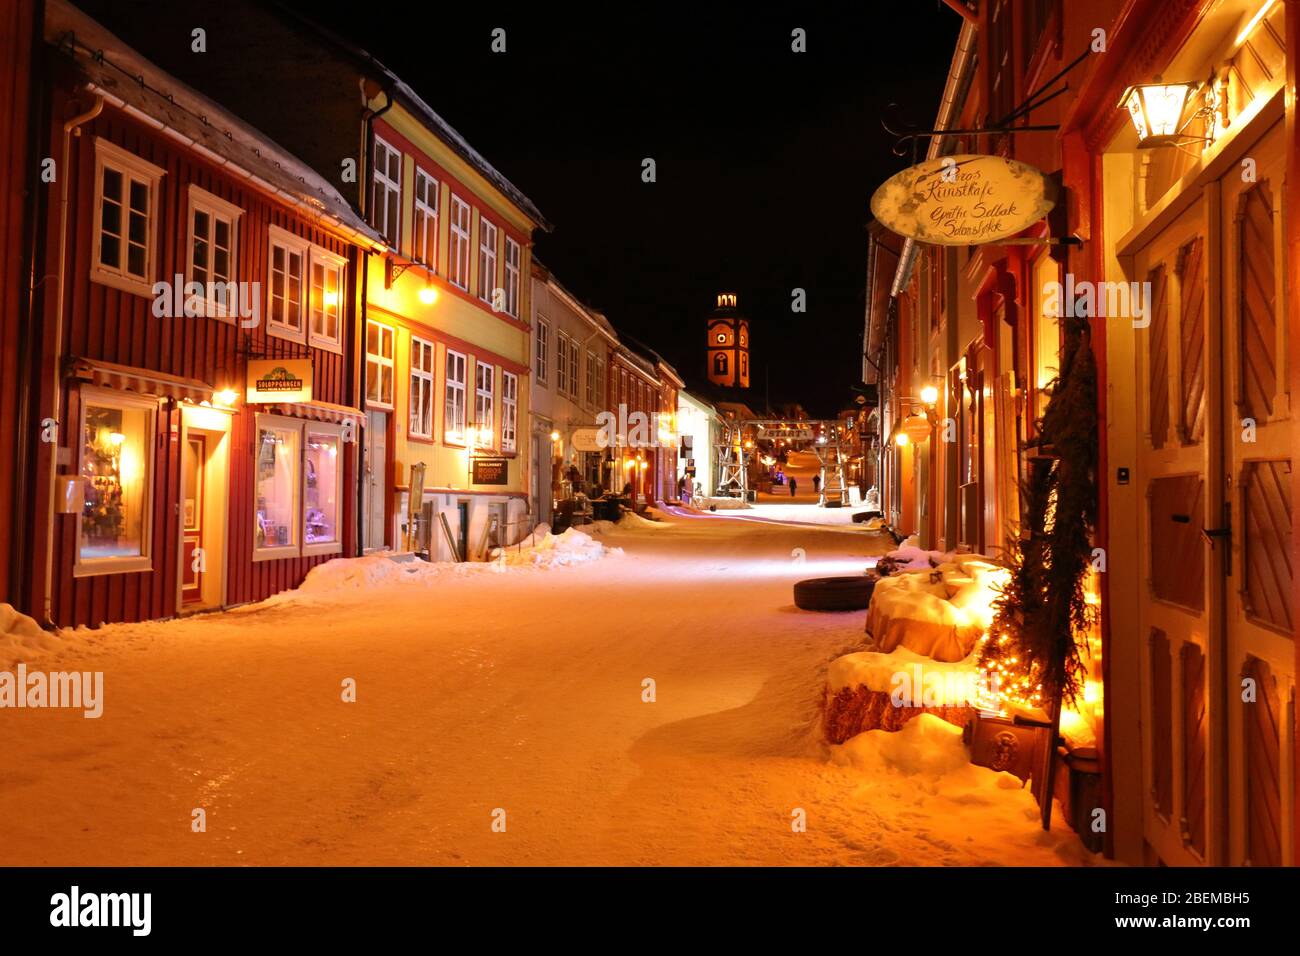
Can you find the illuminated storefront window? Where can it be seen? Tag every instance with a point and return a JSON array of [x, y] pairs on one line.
[[116, 471], [278, 475], [299, 488], [321, 497]]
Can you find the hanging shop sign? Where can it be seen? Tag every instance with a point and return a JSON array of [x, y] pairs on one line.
[[491, 471], [789, 434], [964, 200], [586, 439], [279, 380]]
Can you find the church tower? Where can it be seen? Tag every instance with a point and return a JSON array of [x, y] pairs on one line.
[[728, 344]]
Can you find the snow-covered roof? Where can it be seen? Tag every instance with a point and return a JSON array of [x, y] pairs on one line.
[[133, 83]]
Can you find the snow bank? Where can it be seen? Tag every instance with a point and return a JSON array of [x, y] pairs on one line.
[[21, 638], [934, 683], [556, 550], [926, 746], [721, 504]]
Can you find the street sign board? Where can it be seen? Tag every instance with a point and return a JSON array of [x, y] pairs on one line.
[[491, 471]]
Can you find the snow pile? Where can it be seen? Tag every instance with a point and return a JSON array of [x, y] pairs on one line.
[[633, 520], [721, 504], [21, 638], [906, 675], [556, 550], [923, 774]]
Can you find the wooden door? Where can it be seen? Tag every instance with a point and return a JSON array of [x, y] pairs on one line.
[[376, 478], [193, 561], [1260, 661]]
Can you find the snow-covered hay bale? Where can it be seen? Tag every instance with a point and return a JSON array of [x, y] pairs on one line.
[[869, 690]]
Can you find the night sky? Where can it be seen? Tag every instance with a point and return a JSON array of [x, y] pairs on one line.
[[766, 159]]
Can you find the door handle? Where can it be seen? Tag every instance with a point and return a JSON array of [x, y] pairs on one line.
[[1210, 534]]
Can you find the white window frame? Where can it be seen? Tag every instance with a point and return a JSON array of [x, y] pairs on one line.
[[542, 350], [291, 244], [458, 242], [509, 411], [575, 368], [130, 167], [422, 382], [562, 362], [321, 547], [485, 404], [113, 398], [200, 200], [424, 220], [488, 241], [590, 380], [600, 382], [514, 258], [453, 429], [279, 552], [380, 362], [330, 262], [382, 181]]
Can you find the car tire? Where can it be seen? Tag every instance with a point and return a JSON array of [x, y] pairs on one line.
[[835, 594]]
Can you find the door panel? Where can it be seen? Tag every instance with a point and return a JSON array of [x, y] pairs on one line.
[[376, 496]]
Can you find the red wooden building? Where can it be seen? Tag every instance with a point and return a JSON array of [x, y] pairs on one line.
[[198, 392]]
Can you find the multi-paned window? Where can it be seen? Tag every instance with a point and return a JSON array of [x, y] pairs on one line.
[[562, 363], [379, 364], [214, 228], [600, 382], [592, 394], [126, 199], [512, 277], [542, 349], [117, 442], [425, 219], [458, 261], [487, 260], [386, 196], [574, 359], [299, 488], [305, 298], [484, 413], [287, 293], [453, 414], [509, 410], [422, 353], [326, 300]]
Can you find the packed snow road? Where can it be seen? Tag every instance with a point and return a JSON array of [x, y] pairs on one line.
[[510, 694]]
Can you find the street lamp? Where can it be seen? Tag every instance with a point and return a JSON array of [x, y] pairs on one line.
[[929, 395], [1156, 110]]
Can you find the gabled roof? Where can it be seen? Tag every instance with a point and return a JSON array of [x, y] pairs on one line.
[[407, 96], [122, 76]]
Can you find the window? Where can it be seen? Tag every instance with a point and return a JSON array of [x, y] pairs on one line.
[[214, 226], [117, 444], [512, 277], [484, 419], [299, 488], [562, 363], [487, 260], [575, 359], [421, 423], [386, 197], [288, 267], [458, 261], [453, 413], [323, 491], [425, 220], [326, 298], [509, 410], [592, 394], [543, 349], [600, 381], [126, 194], [379, 365], [278, 481]]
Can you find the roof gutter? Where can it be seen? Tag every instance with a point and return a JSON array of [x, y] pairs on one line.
[[954, 97]]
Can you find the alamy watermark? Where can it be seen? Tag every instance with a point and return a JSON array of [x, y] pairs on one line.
[[83, 690], [222, 300], [1099, 300]]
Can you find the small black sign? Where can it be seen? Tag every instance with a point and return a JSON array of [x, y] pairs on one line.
[[491, 471]]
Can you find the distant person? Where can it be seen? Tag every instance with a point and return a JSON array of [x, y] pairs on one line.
[[794, 485], [817, 484]]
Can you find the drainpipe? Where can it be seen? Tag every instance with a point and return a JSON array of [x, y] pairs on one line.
[[54, 366], [359, 327]]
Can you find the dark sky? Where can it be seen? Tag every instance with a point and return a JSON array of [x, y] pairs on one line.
[[766, 159]]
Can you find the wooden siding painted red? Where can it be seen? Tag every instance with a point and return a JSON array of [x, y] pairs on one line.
[[116, 326]]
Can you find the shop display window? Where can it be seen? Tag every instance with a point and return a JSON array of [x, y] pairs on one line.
[[278, 478], [116, 472]]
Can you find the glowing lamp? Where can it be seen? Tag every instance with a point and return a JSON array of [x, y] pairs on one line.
[[428, 295], [901, 439], [1156, 110], [929, 395], [331, 299], [555, 436], [117, 438], [916, 428], [226, 397]]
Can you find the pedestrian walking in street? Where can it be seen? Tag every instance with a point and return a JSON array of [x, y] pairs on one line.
[[794, 485], [817, 484]]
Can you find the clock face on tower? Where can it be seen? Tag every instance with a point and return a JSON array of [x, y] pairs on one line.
[[720, 335]]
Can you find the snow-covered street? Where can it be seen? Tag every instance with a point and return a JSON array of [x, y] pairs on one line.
[[515, 686]]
